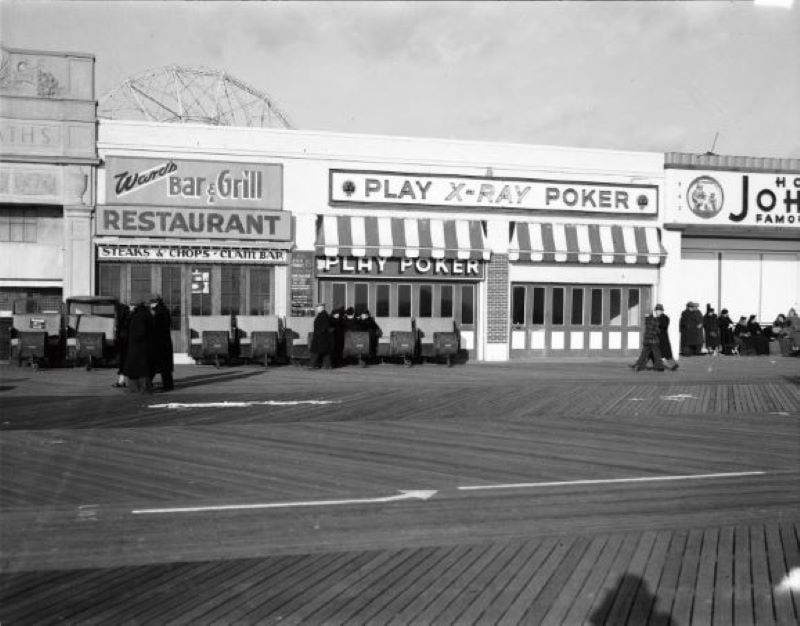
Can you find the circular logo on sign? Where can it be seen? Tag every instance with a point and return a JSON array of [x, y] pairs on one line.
[[349, 187], [705, 197]]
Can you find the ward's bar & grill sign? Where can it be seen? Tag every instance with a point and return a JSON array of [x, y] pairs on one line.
[[348, 186], [193, 199]]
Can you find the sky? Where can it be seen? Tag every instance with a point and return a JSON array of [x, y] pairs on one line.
[[649, 76]]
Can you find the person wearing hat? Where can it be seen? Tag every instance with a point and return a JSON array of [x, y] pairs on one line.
[[651, 349], [663, 337], [711, 330], [726, 339], [161, 340], [691, 329], [138, 367], [321, 340]]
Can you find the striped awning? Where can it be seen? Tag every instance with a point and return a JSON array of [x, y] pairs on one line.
[[586, 243], [362, 236]]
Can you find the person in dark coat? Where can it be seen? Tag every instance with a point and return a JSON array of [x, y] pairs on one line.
[[161, 349], [337, 323], [663, 338], [368, 324], [139, 360], [651, 349], [711, 330], [321, 340], [742, 336], [691, 329], [759, 339], [121, 341], [726, 338]]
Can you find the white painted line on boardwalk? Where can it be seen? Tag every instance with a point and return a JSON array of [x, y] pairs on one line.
[[237, 404], [609, 481], [679, 397], [403, 495], [790, 582]]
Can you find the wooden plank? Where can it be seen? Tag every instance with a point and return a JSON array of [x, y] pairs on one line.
[[686, 593], [528, 563], [762, 590], [559, 608], [626, 593], [703, 603], [742, 580], [789, 535], [643, 602], [784, 607], [723, 586], [667, 585]]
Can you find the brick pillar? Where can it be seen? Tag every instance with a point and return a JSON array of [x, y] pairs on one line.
[[497, 287]]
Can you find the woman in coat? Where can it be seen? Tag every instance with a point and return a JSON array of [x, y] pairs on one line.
[[726, 339], [759, 339], [711, 330], [139, 360], [663, 338], [162, 343], [691, 328], [322, 339]]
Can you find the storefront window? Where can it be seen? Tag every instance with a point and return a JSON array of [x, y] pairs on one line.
[[467, 304], [201, 291], [260, 291], [382, 301], [597, 307], [426, 301], [518, 305], [109, 280], [615, 307], [633, 307], [18, 224], [361, 297], [558, 306], [446, 301], [339, 296], [231, 289], [171, 293], [577, 306], [141, 283], [538, 306], [403, 300]]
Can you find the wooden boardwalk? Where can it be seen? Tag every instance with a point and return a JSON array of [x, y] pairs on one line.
[[77, 458]]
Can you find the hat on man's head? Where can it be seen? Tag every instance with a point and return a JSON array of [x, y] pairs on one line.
[[154, 298], [689, 304], [659, 307]]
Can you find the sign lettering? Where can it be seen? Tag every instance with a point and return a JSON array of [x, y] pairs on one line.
[[383, 267], [189, 253]]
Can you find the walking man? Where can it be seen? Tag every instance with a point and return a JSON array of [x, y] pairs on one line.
[[650, 344]]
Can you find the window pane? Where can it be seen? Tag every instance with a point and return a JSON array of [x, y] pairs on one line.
[[518, 305], [231, 289], [538, 306], [260, 291], [467, 304], [5, 227], [140, 283], [403, 300], [362, 298], [201, 291], [615, 307], [171, 293], [31, 218], [633, 307], [597, 307], [558, 306], [339, 296], [108, 280], [577, 306], [446, 301], [426, 300], [382, 301]]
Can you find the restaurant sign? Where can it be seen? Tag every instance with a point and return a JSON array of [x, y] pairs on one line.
[[377, 188], [735, 198], [190, 253], [406, 268], [175, 182], [194, 223]]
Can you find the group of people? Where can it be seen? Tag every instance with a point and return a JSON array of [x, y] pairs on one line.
[[144, 341], [327, 347], [717, 333], [720, 335]]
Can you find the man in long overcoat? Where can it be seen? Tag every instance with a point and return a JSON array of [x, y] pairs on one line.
[[663, 337], [139, 360], [691, 328], [161, 337], [322, 339], [650, 345]]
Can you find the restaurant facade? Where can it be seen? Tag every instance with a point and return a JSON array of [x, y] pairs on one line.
[[529, 250], [732, 234]]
